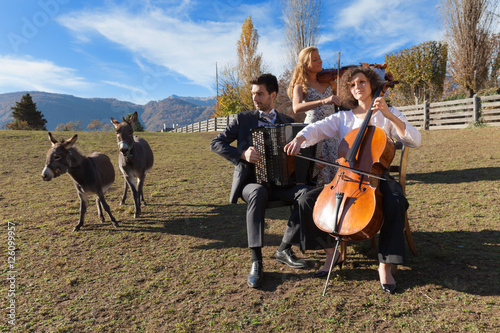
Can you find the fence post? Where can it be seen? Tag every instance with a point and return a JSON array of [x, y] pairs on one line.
[[476, 101], [426, 115]]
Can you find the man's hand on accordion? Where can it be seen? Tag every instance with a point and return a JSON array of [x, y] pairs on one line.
[[293, 147], [251, 155]]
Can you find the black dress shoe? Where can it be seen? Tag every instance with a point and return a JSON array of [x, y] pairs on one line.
[[388, 288], [288, 257], [256, 275], [320, 274]]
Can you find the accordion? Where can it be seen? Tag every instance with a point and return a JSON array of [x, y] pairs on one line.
[[275, 167]]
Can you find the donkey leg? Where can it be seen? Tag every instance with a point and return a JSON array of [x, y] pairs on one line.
[[137, 203], [84, 202], [124, 192], [99, 209], [107, 209], [140, 185]]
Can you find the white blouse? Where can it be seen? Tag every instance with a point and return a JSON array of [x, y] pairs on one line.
[[341, 123]]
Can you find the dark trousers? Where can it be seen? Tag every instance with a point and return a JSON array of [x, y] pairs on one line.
[[391, 240], [257, 197], [391, 249]]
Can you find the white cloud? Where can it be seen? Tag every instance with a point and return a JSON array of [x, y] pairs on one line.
[[367, 29], [361, 11], [183, 46], [32, 74]]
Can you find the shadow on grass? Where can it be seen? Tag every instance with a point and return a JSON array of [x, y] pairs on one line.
[[223, 225], [455, 176], [459, 260]]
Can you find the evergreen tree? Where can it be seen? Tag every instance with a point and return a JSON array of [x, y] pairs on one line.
[[25, 112], [137, 126]]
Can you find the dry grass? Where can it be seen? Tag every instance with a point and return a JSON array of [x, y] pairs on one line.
[[182, 266]]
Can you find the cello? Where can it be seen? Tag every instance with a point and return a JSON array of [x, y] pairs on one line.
[[350, 206]]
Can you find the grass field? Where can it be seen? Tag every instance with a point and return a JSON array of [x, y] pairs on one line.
[[182, 266]]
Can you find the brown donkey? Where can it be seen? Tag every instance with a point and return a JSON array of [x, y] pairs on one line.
[[135, 159], [90, 174]]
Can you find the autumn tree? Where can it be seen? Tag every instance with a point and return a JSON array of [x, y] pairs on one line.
[[95, 125], [26, 115], [70, 126], [302, 19], [421, 71], [228, 102], [236, 93], [468, 30], [249, 61]]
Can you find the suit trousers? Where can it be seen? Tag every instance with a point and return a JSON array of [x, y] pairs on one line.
[[257, 197]]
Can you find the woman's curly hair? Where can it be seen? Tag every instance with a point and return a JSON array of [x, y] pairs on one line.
[[348, 100]]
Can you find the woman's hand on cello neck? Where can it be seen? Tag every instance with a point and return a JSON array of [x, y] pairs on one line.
[[381, 105]]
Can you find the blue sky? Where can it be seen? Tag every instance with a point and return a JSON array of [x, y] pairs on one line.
[[142, 50]]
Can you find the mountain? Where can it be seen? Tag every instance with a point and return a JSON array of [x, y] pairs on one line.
[[176, 110], [61, 109]]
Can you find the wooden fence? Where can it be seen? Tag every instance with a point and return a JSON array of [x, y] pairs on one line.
[[427, 116], [212, 124]]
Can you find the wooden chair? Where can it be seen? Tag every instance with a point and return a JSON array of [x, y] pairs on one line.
[[399, 171]]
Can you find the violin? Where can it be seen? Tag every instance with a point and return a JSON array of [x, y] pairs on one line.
[[331, 74], [351, 206]]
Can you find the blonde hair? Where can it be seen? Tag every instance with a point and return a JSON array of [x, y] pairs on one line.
[[300, 72]]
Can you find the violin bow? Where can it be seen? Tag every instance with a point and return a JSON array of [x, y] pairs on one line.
[[338, 73]]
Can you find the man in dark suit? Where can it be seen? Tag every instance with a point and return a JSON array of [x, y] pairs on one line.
[[244, 156]]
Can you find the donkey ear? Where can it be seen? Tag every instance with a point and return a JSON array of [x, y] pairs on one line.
[[115, 122], [70, 142], [134, 118], [52, 139]]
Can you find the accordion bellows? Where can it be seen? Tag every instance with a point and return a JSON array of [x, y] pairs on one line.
[[275, 167]]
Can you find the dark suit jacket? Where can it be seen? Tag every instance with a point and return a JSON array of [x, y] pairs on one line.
[[239, 129]]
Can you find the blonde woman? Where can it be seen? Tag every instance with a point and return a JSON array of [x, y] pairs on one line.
[[317, 101]]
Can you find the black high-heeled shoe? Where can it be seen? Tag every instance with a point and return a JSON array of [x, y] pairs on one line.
[[320, 273], [388, 288]]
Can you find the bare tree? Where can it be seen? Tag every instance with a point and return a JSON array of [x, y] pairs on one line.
[[468, 29], [495, 60], [301, 26]]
